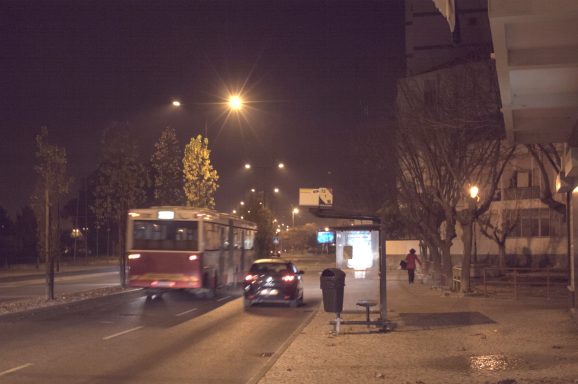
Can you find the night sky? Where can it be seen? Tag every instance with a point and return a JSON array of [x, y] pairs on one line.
[[312, 72]]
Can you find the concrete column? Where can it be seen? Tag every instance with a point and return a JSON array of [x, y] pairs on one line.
[[573, 238]]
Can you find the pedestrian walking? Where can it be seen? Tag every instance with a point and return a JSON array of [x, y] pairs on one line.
[[410, 260]]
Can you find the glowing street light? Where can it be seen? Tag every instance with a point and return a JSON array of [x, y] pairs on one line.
[[235, 103], [176, 103], [281, 165], [293, 213], [474, 191], [276, 190], [247, 166]]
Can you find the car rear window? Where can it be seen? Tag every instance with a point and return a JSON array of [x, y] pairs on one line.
[[262, 268]]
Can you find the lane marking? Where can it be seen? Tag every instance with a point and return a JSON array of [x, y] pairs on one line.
[[122, 333], [185, 312], [224, 298], [15, 369]]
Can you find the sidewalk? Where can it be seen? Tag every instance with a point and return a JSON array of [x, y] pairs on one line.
[[439, 338]]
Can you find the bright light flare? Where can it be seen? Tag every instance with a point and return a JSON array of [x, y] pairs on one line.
[[235, 102], [288, 278], [474, 190], [176, 103]]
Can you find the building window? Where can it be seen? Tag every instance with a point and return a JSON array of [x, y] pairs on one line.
[[536, 222]]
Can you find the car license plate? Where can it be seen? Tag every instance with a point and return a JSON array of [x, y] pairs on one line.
[[165, 284], [268, 292]]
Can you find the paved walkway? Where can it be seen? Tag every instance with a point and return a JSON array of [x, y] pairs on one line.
[[439, 337]]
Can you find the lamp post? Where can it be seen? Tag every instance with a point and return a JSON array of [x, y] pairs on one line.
[[235, 103], [294, 211], [474, 195]]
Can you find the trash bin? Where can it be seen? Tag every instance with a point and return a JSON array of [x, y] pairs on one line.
[[332, 283]]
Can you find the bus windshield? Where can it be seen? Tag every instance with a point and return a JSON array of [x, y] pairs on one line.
[[165, 235]]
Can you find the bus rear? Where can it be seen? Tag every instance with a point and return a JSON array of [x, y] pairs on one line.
[[163, 252]]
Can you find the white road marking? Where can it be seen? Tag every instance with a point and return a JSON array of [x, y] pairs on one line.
[[224, 298], [121, 333], [185, 312], [15, 369]]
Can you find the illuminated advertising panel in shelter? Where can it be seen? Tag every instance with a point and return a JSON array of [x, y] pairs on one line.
[[325, 237]]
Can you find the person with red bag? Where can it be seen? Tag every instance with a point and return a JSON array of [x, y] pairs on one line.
[[411, 260]]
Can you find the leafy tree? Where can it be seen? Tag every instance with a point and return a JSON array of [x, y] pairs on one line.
[[166, 163], [53, 182], [255, 211], [199, 176], [120, 184]]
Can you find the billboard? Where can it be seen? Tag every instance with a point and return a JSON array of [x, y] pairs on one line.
[[325, 237], [316, 197]]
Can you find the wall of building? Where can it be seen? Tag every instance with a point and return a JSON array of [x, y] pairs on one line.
[[429, 42]]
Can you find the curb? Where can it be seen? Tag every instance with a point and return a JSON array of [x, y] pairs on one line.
[[259, 375]]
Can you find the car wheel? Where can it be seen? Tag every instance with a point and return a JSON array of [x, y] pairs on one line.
[[294, 303], [301, 301]]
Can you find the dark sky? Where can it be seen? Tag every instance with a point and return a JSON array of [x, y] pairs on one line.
[[311, 71]]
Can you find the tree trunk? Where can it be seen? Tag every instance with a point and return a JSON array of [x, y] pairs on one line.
[[48, 255], [446, 267], [435, 265], [502, 256]]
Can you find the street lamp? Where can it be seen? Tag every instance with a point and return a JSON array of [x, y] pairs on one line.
[[235, 103], [474, 195], [293, 213], [265, 187], [474, 191]]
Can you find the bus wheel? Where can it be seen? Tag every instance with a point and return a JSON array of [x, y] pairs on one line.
[[213, 292], [151, 295]]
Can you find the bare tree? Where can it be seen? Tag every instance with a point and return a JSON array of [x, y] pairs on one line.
[[547, 157], [497, 225], [450, 138]]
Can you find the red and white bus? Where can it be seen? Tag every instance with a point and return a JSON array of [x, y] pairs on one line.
[[187, 248]]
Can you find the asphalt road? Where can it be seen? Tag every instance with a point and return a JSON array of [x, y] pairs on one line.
[[128, 339]]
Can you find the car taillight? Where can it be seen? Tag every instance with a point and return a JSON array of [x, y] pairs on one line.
[[249, 278], [288, 278], [193, 257]]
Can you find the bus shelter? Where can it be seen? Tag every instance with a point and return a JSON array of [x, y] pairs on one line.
[[357, 254]]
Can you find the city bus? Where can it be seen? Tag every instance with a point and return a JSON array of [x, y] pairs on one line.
[[173, 247]]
